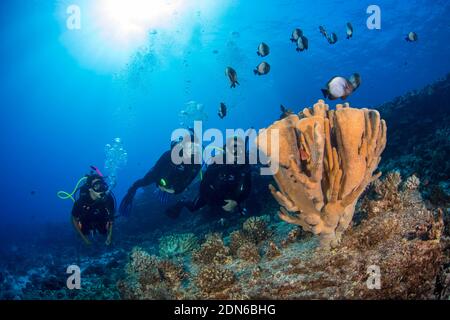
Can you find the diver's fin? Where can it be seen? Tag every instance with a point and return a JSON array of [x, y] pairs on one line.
[[237, 83], [255, 71], [257, 52], [325, 93]]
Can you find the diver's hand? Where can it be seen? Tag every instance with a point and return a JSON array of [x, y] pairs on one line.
[[230, 205], [108, 242]]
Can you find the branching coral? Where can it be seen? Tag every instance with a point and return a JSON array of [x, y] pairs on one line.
[[412, 183], [237, 240], [249, 252], [273, 251], [177, 244], [255, 229], [326, 159], [293, 236], [387, 195], [214, 279], [150, 278], [213, 251]]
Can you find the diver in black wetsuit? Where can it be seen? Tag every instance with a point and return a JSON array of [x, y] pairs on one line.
[[93, 211], [169, 177], [224, 185]]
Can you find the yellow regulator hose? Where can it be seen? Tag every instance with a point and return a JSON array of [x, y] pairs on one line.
[[63, 195]]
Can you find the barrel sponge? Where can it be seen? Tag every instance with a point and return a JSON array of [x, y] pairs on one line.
[[325, 159]]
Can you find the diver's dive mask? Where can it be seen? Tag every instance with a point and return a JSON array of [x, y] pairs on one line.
[[100, 186], [99, 189]]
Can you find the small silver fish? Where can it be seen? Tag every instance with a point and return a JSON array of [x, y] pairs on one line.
[[262, 69], [340, 87], [412, 37], [296, 34], [349, 30], [232, 75], [263, 50], [302, 43]]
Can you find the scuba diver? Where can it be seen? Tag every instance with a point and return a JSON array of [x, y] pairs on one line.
[[224, 185], [169, 177], [94, 210]]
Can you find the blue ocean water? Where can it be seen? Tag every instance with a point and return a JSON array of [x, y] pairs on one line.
[[65, 93]]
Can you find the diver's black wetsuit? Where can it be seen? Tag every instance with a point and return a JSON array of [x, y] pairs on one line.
[[220, 182], [93, 215], [176, 178]]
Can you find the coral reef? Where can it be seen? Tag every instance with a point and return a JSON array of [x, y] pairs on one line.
[[399, 238], [256, 229], [149, 277], [273, 251], [419, 141], [213, 281], [212, 251], [326, 159], [404, 245], [237, 240], [400, 228], [412, 183], [249, 252], [177, 244], [386, 193]]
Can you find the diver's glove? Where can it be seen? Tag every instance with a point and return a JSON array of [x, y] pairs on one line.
[[175, 210], [127, 203]]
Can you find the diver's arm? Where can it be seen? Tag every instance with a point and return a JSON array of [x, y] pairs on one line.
[[147, 180], [127, 201], [154, 174], [78, 229]]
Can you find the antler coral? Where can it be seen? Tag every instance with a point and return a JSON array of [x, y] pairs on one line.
[[326, 159]]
